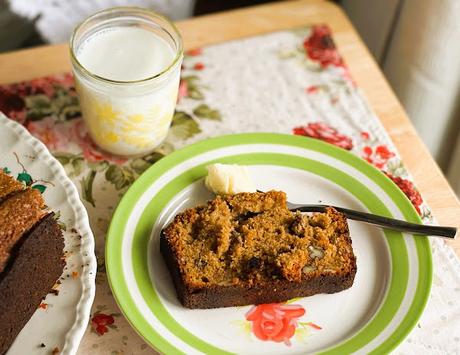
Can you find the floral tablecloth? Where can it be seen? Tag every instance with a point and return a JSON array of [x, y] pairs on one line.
[[292, 82]]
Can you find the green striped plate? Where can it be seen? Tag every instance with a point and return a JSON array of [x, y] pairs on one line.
[[391, 287]]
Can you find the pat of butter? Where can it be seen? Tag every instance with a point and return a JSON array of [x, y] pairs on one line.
[[229, 179]]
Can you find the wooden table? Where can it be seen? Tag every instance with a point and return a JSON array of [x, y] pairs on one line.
[[200, 31]]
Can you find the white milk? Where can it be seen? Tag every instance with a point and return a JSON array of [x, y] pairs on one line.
[[125, 54], [125, 113]]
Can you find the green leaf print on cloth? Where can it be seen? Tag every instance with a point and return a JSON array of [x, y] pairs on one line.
[[193, 89], [204, 111], [120, 176], [86, 185], [61, 105], [183, 125]]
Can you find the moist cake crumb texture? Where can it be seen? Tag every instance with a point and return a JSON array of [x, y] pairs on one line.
[[250, 239]]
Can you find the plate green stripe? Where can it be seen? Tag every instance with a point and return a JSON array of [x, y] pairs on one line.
[[425, 279], [152, 211], [140, 252], [120, 289], [128, 202]]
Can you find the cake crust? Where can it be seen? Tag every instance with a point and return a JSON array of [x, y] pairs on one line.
[[250, 249]]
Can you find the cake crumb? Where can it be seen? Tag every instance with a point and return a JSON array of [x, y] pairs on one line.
[[250, 237]]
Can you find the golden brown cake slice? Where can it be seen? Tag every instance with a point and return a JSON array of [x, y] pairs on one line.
[[249, 248], [18, 214], [8, 185]]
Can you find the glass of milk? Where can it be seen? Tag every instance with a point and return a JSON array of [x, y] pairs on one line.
[[126, 62]]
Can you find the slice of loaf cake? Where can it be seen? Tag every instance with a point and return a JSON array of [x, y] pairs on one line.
[[249, 248], [31, 256], [36, 266], [18, 214]]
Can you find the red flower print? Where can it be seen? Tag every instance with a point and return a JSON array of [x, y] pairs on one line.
[[198, 66], [67, 81], [52, 135], [409, 190], [194, 52], [89, 149], [183, 90], [321, 48], [325, 133], [378, 157], [100, 321], [367, 151], [12, 96], [365, 135], [12, 104], [383, 152], [18, 116], [44, 85], [312, 89], [275, 322]]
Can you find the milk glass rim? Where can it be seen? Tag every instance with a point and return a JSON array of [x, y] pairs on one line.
[[178, 39]]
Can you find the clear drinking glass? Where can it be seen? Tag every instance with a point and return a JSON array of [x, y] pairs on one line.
[[127, 117]]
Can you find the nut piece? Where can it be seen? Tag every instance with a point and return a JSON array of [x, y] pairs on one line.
[[308, 268], [315, 252]]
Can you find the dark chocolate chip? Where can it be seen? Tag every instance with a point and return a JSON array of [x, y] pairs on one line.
[[254, 263]]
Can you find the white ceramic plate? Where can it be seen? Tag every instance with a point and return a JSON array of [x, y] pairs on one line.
[[394, 270], [63, 318]]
